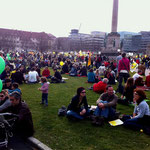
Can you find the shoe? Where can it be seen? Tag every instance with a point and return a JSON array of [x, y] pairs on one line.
[[46, 105], [41, 103]]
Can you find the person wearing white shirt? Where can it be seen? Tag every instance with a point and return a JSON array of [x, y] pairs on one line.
[[137, 75], [33, 76]]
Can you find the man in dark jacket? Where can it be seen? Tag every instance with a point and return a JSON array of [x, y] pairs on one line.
[[57, 77], [24, 125]]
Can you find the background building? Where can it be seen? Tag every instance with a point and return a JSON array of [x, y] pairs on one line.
[[23, 40]]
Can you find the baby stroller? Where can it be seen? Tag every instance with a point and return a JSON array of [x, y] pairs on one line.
[[6, 128]]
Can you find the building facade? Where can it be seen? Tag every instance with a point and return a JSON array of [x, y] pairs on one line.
[[23, 40]]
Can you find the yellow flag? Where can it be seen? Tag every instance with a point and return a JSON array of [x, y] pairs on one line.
[[89, 60]]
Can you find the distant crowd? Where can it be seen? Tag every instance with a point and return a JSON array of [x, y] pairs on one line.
[[103, 72]]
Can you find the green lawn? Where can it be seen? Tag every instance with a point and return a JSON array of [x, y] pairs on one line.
[[61, 134]]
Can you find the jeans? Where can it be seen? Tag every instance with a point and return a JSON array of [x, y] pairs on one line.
[[122, 76], [77, 115], [45, 98], [132, 123], [106, 112]]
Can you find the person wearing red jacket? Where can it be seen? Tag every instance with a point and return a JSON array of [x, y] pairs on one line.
[[100, 87], [147, 82], [46, 73]]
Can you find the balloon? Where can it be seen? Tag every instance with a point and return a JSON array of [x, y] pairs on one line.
[[1, 85], [61, 63], [2, 64], [53, 52], [9, 58]]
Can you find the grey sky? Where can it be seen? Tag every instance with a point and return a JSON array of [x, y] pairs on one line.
[[60, 16]]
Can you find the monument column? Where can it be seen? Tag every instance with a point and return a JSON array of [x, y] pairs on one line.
[[114, 16], [113, 38]]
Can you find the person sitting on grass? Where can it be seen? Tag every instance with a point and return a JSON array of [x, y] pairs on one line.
[[91, 76], [147, 81], [100, 87], [7, 84], [73, 71], [23, 127], [44, 90], [4, 100], [78, 108], [141, 115], [106, 104], [46, 73], [57, 76], [127, 96], [15, 87]]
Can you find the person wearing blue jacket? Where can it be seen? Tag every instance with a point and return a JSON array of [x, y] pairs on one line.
[[91, 76]]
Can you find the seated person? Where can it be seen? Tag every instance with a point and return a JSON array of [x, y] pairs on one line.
[[65, 68], [33, 76], [127, 96], [78, 108], [142, 68], [97, 76], [17, 76], [91, 76], [73, 71], [4, 100], [7, 84], [83, 71], [147, 81], [46, 73], [100, 87], [110, 75], [139, 81], [24, 125], [137, 75], [57, 78], [106, 104], [15, 87], [101, 69], [141, 114]]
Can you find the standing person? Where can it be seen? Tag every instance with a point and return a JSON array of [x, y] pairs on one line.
[[123, 71], [44, 90], [78, 108], [118, 58]]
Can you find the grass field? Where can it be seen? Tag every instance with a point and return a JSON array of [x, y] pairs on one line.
[[61, 134]]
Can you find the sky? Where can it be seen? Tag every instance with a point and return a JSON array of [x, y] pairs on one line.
[[58, 17]]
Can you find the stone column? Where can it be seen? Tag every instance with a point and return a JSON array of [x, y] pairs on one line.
[[114, 16]]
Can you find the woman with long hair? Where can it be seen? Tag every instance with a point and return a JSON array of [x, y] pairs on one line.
[[78, 108], [141, 115], [127, 96]]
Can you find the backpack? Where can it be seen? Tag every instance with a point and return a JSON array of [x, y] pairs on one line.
[[62, 111]]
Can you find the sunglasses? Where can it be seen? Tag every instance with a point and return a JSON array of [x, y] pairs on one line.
[[83, 92], [1, 95]]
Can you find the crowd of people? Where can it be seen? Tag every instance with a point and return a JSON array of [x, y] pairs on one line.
[[103, 72]]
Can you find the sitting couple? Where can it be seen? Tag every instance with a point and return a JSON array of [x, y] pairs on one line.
[[106, 105]]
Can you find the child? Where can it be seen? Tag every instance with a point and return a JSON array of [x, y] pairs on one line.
[[15, 87], [44, 90]]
